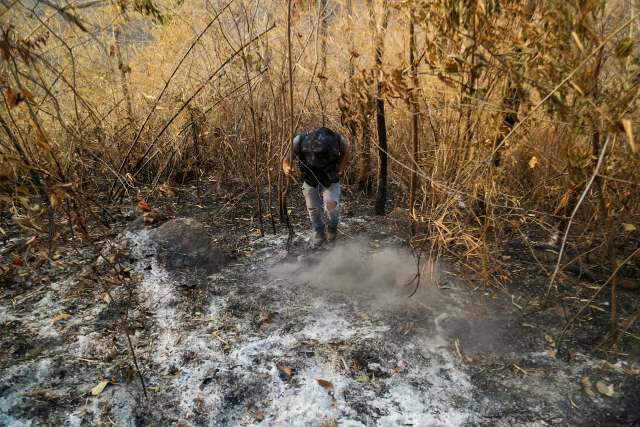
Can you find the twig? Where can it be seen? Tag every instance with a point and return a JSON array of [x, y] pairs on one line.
[[140, 165], [586, 190], [417, 276], [595, 295], [283, 208], [135, 363], [166, 85]]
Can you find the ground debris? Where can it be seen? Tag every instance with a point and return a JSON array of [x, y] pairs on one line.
[[262, 341]]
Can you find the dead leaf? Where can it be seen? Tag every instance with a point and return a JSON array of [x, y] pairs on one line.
[[12, 97], [604, 388], [362, 378], [564, 201], [533, 162], [285, 370], [325, 384], [59, 317], [17, 261], [259, 416], [99, 388], [54, 200], [167, 189], [629, 284], [26, 94], [587, 387], [143, 206], [628, 130], [628, 228], [577, 40]]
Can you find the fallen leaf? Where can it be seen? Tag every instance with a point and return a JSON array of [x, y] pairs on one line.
[[260, 416], [533, 162], [587, 386], [628, 228], [604, 388], [325, 384], [17, 261], [573, 403], [99, 388], [61, 316], [286, 371], [362, 379], [166, 189], [143, 206]]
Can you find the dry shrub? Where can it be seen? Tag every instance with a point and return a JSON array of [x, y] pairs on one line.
[[80, 87]]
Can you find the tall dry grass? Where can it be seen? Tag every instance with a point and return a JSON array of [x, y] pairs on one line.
[[111, 101]]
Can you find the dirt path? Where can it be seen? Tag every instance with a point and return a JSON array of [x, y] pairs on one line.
[[280, 338]]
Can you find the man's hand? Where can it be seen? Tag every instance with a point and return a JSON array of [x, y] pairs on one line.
[[287, 168]]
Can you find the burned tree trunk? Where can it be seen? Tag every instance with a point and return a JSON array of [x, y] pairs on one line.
[[381, 192]]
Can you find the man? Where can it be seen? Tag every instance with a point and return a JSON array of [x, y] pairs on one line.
[[323, 157]]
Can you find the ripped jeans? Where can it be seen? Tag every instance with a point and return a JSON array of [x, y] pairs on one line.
[[319, 201]]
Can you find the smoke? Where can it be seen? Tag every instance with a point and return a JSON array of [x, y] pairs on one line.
[[381, 280], [358, 268]]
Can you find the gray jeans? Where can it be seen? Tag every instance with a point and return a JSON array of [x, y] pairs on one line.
[[317, 199]]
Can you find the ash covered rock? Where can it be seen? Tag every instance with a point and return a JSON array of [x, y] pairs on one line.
[[185, 244]]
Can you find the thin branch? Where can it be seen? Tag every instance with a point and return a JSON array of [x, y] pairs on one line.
[[562, 83], [166, 85], [595, 295], [586, 190], [137, 168]]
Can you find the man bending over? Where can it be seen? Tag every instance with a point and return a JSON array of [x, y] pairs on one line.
[[322, 157]]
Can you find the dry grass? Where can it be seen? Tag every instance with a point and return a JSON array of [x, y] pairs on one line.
[[84, 94]]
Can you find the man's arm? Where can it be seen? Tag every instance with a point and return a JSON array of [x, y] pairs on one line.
[[287, 162], [287, 167]]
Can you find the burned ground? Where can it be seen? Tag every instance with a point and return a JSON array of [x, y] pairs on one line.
[[285, 337]]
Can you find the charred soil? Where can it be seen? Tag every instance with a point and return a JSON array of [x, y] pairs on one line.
[[276, 335]]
